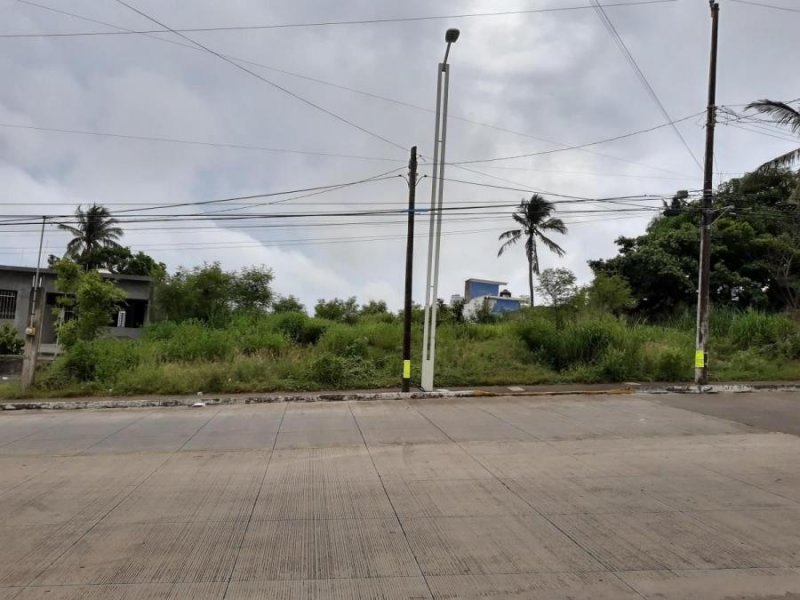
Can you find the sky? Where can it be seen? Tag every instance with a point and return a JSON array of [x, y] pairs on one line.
[[322, 105]]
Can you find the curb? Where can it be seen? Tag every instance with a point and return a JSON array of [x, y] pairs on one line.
[[730, 388], [190, 401], [225, 401], [278, 398]]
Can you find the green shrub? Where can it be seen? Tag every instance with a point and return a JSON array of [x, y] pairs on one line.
[[114, 357], [161, 331], [328, 369], [10, 342], [617, 365], [345, 341], [752, 329], [572, 344], [672, 365], [299, 328], [193, 341], [79, 363]]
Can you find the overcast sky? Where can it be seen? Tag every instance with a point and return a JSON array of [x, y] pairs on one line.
[[556, 76]]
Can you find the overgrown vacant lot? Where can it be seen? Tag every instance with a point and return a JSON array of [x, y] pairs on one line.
[[291, 351]]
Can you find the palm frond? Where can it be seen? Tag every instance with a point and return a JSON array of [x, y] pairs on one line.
[[781, 113], [520, 219], [551, 245], [512, 236], [781, 162], [554, 225]]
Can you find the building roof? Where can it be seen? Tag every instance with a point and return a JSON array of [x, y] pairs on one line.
[[45, 271], [489, 281]]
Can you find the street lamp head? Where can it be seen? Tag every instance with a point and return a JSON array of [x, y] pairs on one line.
[[451, 36]]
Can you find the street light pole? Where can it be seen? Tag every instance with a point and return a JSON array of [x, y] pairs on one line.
[[704, 278], [435, 228]]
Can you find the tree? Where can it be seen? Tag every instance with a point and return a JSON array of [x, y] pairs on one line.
[[558, 286], [375, 307], [610, 293], [534, 218], [251, 289], [121, 260], [344, 311], [782, 114], [94, 228], [93, 300], [202, 293], [661, 266], [10, 342], [289, 303]]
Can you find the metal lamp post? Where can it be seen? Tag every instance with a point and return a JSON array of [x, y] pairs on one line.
[[435, 229]]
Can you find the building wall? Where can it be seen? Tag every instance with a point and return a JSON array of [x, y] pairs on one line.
[[476, 289], [503, 305], [22, 283]]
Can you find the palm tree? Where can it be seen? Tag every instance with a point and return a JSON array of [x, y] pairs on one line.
[[95, 228], [534, 219], [782, 114]]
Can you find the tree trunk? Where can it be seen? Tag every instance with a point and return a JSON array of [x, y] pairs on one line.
[[530, 277]]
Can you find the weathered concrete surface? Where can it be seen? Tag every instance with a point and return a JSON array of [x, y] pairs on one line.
[[573, 497]]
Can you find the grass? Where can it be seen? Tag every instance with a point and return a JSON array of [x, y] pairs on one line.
[[293, 352]]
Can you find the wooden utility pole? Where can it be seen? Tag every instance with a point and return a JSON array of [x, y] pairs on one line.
[[412, 193], [704, 284]]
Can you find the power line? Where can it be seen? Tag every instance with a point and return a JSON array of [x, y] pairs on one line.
[[195, 142], [772, 6], [377, 21], [579, 146], [612, 30], [264, 79], [330, 84], [375, 178]]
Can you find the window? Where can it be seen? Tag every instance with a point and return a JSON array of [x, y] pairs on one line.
[[8, 304]]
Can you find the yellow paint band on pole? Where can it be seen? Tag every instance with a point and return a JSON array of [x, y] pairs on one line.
[[699, 359], [406, 369]]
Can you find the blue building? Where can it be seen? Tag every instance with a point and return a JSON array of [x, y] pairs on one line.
[[479, 293]]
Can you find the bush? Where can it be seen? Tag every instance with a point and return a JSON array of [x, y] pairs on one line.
[[575, 343], [759, 329], [672, 365], [10, 342], [343, 311], [343, 340], [79, 363], [194, 341], [329, 369], [299, 328]]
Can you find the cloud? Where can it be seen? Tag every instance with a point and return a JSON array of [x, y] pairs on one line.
[[556, 76]]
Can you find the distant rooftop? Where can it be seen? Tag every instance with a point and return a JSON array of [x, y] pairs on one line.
[[489, 281], [46, 271]]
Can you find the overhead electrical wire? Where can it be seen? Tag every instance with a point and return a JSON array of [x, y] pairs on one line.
[[612, 30], [374, 21], [265, 80], [578, 146], [762, 5], [197, 142], [316, 80]]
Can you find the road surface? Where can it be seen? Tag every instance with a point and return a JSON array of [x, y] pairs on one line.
[[618, 498]]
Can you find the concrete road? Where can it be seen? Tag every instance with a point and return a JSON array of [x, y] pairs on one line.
[[616, 498]]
